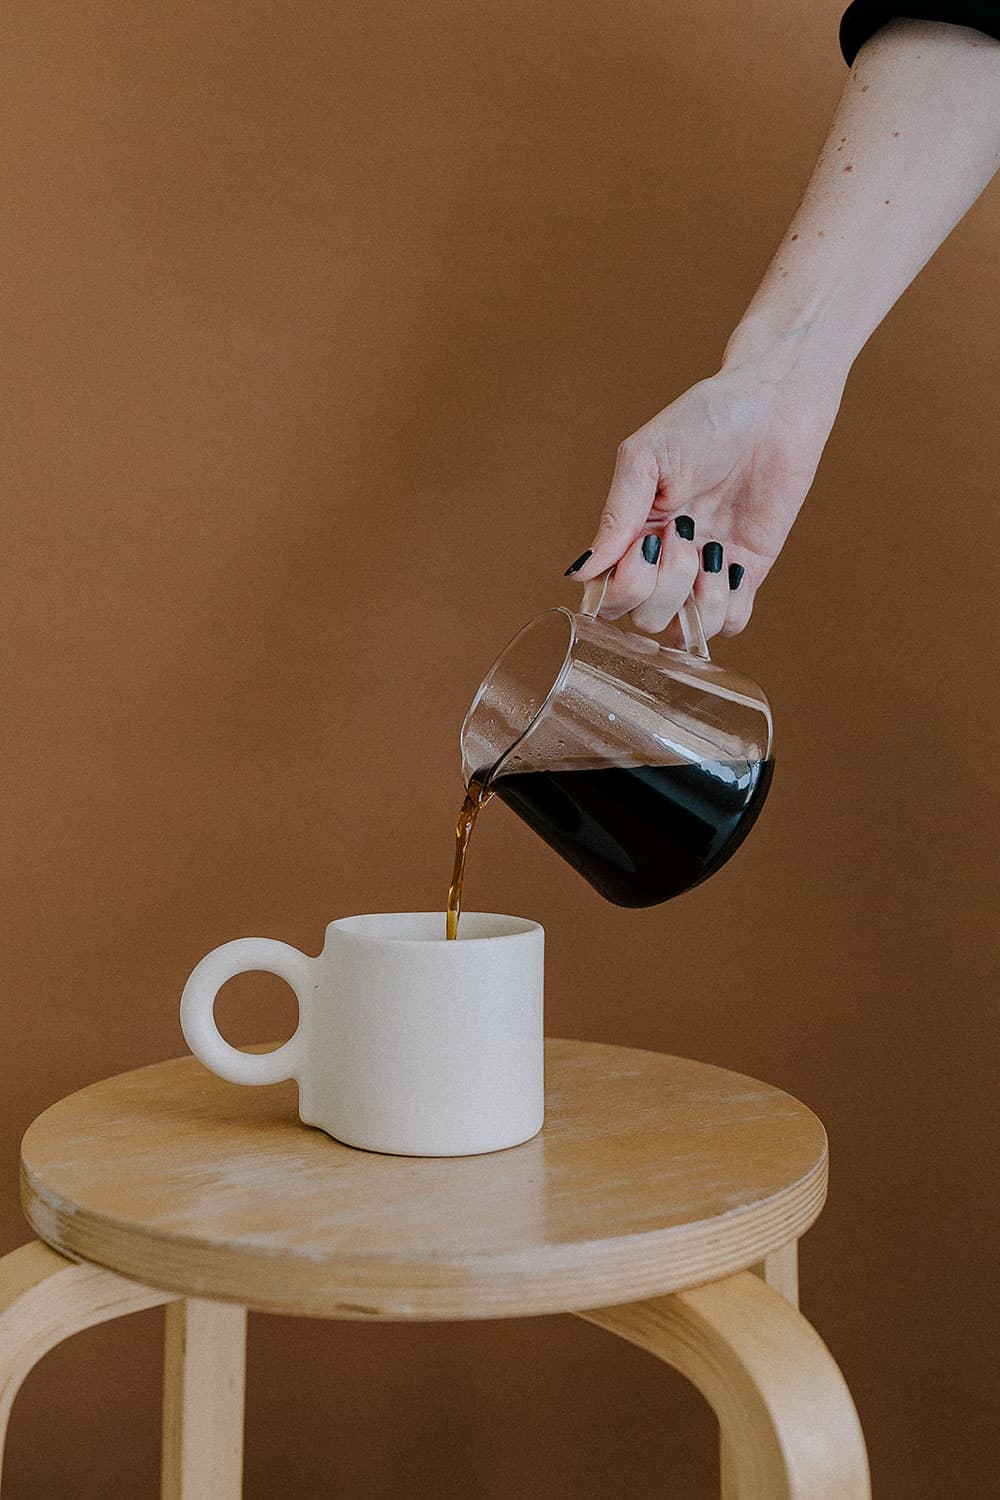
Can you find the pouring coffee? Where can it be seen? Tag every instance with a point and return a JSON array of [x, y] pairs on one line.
[[644, 766]]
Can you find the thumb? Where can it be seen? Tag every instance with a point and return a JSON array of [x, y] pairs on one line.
[[626, 510]]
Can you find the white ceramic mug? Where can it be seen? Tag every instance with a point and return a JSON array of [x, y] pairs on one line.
[[406, 1043]]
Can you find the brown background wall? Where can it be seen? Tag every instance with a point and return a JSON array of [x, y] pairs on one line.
[[325, 323]]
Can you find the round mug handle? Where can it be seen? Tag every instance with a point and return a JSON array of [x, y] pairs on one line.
[[198, 1001], [690, 620]]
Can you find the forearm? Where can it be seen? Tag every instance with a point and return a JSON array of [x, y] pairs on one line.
[[915, 139]]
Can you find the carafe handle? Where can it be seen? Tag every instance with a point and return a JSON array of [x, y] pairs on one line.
[[690, 620]]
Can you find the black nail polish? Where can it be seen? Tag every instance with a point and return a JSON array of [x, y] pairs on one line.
[[711, 557], [651, 548], [685, 527], [575, 567], [736, 571]]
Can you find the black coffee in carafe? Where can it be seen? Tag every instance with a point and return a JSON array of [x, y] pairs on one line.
[[638, 834], [641, 834]]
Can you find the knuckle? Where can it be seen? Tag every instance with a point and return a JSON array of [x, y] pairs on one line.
[[634, 457], [611, 523]]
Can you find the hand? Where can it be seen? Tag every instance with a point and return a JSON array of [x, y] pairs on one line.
[[735, 455]]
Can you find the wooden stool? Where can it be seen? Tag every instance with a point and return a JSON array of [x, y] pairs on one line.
[[657, 1187]]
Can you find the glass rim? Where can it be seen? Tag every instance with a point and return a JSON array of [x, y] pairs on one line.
[[550, 696]]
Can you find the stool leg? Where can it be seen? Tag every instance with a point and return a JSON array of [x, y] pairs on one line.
[[789, 1425], [780, 1270], [203, 1386], [43, 1299]]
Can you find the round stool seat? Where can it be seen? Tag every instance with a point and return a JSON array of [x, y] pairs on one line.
[[652, 1174]]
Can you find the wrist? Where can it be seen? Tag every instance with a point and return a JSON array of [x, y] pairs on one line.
[[791, 345]]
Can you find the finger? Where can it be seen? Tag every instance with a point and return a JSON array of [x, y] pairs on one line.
[[711, 589], [630, 499], [634, 576], [742, 596], [678, 568]]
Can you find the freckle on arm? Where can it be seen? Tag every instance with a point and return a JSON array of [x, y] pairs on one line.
[[849, 167], [895, 135]]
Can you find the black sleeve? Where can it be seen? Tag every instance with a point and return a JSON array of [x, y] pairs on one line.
[[863, 18]]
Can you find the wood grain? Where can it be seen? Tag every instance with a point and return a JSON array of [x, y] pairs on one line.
[[204, 1381], [789, 1428], [45, 1298], [652, 1173], [780, 1270]]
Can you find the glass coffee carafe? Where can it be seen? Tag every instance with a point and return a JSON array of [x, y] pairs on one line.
[[643, 765]]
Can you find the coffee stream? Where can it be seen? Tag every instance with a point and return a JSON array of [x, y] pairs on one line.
[[475, 798], [638, 834]]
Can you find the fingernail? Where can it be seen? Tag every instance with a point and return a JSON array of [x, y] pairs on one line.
[[651, 548], [575, 567], [685, 527], [736, 571], [711, 557]]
